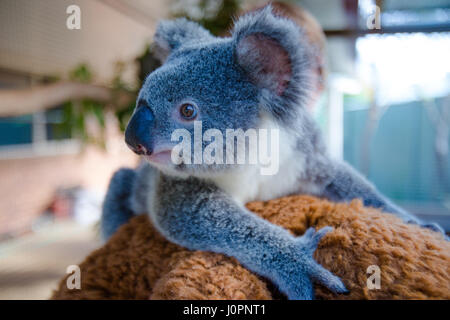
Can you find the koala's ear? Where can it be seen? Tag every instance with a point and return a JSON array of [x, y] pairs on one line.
[[172, 34], [269, 49]]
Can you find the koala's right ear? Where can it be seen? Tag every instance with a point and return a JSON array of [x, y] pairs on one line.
[[172, 34]]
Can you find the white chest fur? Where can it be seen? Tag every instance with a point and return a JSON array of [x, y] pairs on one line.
[[248, 184]]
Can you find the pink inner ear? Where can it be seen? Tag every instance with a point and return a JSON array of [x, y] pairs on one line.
[[267, 62]]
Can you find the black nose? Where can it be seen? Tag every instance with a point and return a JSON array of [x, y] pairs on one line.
[[138, 133]]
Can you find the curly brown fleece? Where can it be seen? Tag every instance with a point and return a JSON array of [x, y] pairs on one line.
[[138, 263]]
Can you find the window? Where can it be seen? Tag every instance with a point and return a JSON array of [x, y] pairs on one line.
[[38, 134]]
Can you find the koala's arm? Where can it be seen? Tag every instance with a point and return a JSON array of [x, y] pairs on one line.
[[199, 216], [347, 184]]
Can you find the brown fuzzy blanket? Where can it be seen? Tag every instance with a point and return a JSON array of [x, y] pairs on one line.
[[138, 263]]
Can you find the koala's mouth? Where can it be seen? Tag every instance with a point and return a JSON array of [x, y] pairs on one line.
[[162, 157]]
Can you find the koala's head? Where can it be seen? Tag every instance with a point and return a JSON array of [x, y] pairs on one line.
[[224, 83]]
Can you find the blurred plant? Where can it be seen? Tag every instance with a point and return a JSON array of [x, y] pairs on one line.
[[123, 112], [214, 15], [76, 113]]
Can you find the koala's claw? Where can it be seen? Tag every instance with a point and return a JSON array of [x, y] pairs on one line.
[[301, 288], [319, 273], [311, 238], [432, 226]]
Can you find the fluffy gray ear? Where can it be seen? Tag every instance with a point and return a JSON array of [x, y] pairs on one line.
[[172, 34], [270, 51]]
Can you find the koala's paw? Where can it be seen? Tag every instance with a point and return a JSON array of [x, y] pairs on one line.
[[435, 227], [432, 226], [305, 269]]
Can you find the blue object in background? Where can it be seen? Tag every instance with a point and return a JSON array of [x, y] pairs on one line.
[[16, 130], [402, 159]]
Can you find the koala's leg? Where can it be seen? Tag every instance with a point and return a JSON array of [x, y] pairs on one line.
[[347, 184], [199, 216], [128, 195]]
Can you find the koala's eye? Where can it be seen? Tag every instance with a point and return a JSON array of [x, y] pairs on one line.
[[188, 111]]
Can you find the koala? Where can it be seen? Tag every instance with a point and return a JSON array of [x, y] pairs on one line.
[[256, 78]]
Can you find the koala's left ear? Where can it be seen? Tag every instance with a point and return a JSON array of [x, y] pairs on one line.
[[270, 51], [172, 34]]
